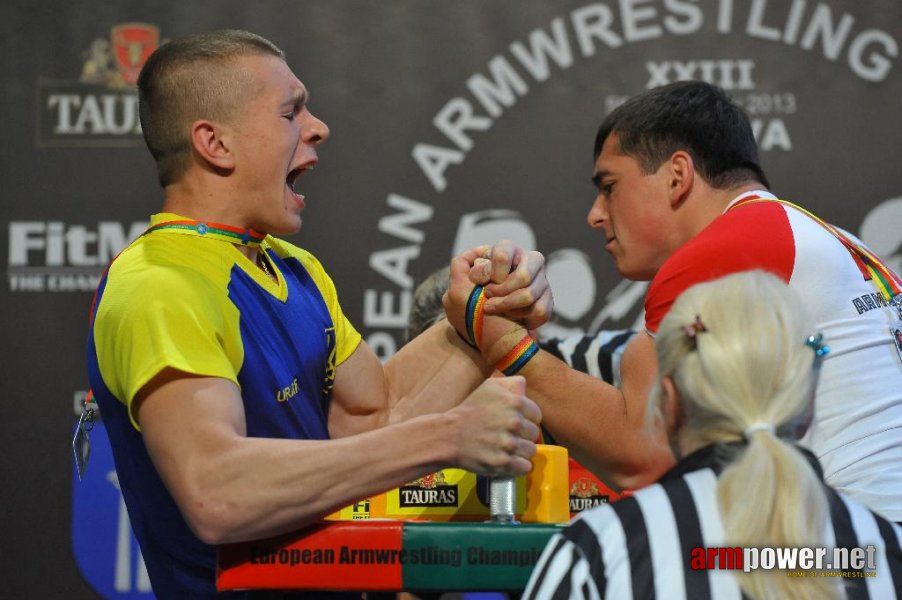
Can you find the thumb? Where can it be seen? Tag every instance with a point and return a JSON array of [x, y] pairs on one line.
[[514, 383], [481, 271]]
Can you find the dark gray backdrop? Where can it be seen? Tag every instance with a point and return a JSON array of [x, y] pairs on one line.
[[821, 78]]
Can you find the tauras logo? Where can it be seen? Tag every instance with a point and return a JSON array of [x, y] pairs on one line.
[[59, 257], [440, 495], [101, 109], [428, 490], [581, 504], [584, 494]]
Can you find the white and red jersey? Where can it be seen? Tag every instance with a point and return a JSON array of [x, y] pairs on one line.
[[856, 431]]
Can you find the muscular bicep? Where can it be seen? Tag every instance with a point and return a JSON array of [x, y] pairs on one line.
[[188, 424], [360, 396]]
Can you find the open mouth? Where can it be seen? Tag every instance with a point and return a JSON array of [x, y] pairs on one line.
[[295, 174]]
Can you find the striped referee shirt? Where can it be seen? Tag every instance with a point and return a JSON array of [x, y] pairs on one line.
[[598, 355], [640, 547]]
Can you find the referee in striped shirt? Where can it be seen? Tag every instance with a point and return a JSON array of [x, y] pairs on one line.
[[738, 368]]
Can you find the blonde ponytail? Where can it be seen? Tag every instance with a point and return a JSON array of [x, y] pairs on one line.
[[735, 349]]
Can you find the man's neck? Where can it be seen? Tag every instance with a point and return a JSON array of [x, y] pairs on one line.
[[187, 201], [712, 203]]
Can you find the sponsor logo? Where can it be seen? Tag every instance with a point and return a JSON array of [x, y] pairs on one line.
[[101, 108], [52, 256], [103, 544], [288, 392], [331, 350], [817, 561], [869, 302], [584, 494], [428, 491], [463, 125], [881, 234], [360, 510]]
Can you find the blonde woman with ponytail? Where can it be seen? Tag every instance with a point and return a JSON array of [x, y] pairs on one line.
[[738, 364]]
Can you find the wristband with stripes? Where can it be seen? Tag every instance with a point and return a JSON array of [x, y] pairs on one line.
[[519, 355], [475, 315], [465, 340]]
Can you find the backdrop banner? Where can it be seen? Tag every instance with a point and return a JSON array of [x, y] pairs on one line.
[[452, 124]]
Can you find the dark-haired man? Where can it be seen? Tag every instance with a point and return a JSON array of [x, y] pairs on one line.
[[240, 401], [682, 199]]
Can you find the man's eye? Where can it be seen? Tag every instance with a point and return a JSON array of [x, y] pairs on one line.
[[290, 116]]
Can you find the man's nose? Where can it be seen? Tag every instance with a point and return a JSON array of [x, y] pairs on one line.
[[314, 131], [598, 214]]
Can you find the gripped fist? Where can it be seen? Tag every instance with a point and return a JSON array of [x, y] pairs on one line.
[[496, 428], [515, 282]]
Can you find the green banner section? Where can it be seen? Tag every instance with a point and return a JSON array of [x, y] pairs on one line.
[[471, 556]]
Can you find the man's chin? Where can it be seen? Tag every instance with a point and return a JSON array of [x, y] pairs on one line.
[[287, 228], [634, 274]]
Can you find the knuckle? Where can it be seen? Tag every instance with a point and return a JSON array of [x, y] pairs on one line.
[[500, 253], [539, 311], [536, 257], [509, 444], [521, 277]]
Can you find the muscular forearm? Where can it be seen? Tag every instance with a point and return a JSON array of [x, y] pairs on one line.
[[248, 488], [595, 421], [432, 373]]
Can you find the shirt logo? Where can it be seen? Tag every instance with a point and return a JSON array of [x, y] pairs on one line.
[[288, 392], [329, 377]]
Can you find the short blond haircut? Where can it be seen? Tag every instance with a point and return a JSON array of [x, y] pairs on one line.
[[190, 78]]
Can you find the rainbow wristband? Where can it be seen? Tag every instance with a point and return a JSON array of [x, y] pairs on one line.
[[519, 355], [475, 315]]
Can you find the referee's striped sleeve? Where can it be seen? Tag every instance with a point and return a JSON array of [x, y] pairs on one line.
[[868, 530], [702, 485], [560, 571], [664, 547], [846, 536], [597, 355], [573, 563], [689, 531], [891, 535]]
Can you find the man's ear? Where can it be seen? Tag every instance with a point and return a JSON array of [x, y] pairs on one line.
[[211, 143], [672, 407], [682, 176]]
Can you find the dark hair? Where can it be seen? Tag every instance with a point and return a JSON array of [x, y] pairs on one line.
[[687, 115], [189, 78]]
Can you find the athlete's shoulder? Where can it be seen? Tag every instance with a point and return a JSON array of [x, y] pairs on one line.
[[158, 260], [752, 236], [753, 226]]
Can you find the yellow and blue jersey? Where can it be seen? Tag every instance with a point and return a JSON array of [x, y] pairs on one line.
[[184, 298]]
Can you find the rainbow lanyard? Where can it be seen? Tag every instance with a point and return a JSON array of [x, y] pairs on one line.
[[217, 231], [872, 268]]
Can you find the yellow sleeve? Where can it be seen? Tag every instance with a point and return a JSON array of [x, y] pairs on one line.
[[149, 319]]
